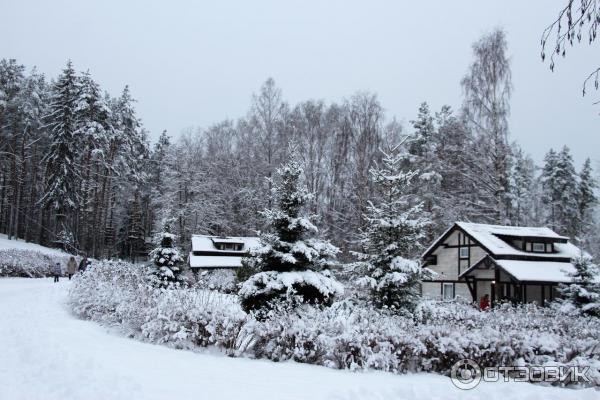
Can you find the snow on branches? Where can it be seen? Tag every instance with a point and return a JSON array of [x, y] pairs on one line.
[[288, 263], [166, 257], [395, 226], [584, 291]]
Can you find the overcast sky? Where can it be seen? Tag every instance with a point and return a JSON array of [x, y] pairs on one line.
[[193, 63]]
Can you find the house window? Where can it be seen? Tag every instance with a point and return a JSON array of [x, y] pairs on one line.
[[463, 252], [229, 246], [431, 260], [447, 291], [539, 247]]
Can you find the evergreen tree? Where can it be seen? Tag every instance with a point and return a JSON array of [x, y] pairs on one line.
[[92, 132], [395, 227], [62, 176], [158, 157], [291, 264], [132, 232], [587, 196], [584, 290], [560, 192], [424, 132], [132, 137], [522, 177], [550, 188], [422, 148], [457, 186], [166, 257]]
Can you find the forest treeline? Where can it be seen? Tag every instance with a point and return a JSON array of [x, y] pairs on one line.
[[77, 169]]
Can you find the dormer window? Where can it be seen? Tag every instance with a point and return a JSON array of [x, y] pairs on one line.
[[463, 252], [229, 246], [538, 247]]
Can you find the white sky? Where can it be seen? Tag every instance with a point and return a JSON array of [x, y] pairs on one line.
[[196, 63]]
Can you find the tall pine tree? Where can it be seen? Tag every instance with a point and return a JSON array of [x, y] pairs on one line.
[[395, 227], [62, 176], [522, 177], [422, 148], [560, 193]]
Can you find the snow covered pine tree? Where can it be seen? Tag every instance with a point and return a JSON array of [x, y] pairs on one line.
[[61, 176], [290, 266], [394, 229], [584, 290], [166, 258]]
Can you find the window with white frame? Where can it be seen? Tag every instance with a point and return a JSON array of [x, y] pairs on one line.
[[463, 252], [447, 291], [539, 247]]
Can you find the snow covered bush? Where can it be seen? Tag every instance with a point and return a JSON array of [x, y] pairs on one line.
[[349, 334], [395, 226], [222, 280], [290, 265], [355, 336], [583, 293], [166, 258], [124, 294], [28, 263]]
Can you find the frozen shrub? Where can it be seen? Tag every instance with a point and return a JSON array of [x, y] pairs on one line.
[[222, 280], [349, 334], [28, 263], [116, 292]]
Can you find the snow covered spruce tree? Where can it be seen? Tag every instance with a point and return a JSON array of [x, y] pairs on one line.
[[395, 226], [61, 175], [584, 290], [291, 265], [166, 258]]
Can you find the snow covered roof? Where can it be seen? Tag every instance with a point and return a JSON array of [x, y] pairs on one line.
[[527, 270], [227, 240], [205, 253], [489, 236], [540, 271], [206, 243], [515, 231], [215, 261]]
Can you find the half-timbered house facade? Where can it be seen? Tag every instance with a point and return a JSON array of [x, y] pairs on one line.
[[520, 264]]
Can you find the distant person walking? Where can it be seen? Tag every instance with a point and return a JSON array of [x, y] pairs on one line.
[[71, 267], [83, 264], [56, 271], [484, 303]]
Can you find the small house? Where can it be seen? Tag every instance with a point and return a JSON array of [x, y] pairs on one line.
[[210, 252], [520, 264]]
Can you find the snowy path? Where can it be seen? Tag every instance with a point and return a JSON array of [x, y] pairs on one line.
[[45, 353]]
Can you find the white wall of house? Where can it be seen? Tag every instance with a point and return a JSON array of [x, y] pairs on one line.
[[449, 265]]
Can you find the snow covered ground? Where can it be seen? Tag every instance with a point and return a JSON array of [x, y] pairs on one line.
[[23, 245], [46, 353]]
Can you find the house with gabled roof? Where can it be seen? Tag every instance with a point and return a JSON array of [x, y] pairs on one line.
[[210, 252], [520, 264]]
